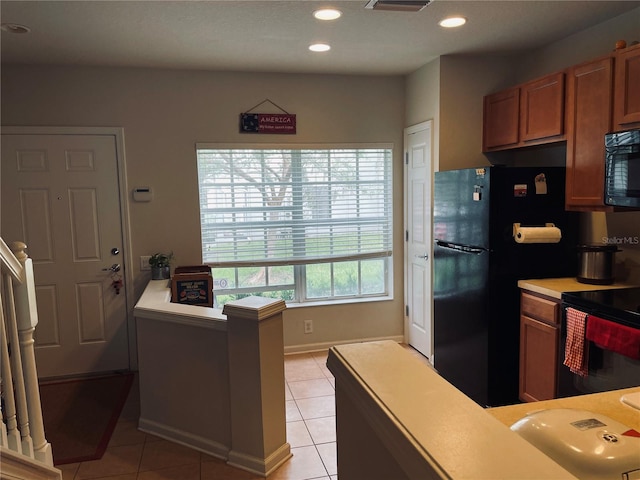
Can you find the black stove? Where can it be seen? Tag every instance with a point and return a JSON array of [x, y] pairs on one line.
[[618, 305]]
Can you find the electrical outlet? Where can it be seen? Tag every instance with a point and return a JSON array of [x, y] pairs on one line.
[[308, 326], [144, 262]]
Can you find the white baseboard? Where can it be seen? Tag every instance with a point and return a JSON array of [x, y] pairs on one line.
[[260, 466], [318, 347], [205, 445]]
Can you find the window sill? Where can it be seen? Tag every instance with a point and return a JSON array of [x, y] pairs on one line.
[[346, 301]]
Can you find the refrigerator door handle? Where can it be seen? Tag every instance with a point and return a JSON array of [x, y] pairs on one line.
[[461, 248]]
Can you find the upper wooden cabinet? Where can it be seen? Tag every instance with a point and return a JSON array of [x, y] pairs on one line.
[[580, 106], [542, 108], [626, 113], [529, 114], [501, 116], [589, 106]]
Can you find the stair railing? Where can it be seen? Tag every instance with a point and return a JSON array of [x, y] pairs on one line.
[[22, 428]]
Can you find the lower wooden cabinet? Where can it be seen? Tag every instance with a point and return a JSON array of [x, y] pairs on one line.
[[539, 336]]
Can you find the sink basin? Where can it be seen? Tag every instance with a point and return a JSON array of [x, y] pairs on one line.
[[587, 444]]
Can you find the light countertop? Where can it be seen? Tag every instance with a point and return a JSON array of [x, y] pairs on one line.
[[554, 287]]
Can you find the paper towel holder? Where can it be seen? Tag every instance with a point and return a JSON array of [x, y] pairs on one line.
[[516, 228]]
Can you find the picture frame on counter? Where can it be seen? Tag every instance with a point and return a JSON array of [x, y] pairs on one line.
[[192, 288]]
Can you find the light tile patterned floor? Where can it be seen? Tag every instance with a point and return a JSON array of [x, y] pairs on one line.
[[311, 432]]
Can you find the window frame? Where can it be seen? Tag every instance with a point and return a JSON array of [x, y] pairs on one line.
[[299, 285]]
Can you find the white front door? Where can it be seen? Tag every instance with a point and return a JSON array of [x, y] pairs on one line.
[[60, 196], [418, 181]]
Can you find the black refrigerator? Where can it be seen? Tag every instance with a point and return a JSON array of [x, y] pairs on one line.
[[477, 263]]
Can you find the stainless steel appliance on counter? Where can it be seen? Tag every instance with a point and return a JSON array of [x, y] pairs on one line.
[[477, 265], [596, 264], [607, 368]]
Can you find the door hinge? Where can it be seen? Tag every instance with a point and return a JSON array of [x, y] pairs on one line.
[[406, 158], [406, 235], [406, 310]]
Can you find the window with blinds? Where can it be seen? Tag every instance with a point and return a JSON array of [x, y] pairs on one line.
[[264, 208]]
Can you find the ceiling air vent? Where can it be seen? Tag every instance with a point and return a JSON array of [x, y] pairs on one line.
[[398, 5]]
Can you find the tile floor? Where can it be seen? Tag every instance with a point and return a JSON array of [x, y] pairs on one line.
[[311, 432]]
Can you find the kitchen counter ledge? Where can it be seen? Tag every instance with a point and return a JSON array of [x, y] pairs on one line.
[[155, 304], [555, 287], [397, 418]]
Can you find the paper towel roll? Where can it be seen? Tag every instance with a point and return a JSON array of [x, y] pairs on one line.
[[538, 235]]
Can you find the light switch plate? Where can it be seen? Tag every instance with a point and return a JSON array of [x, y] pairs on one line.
[[144, 262]]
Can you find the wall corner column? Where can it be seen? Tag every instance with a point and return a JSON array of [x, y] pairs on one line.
[[257, 385]]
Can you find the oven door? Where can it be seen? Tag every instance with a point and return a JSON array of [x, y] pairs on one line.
[[607, 370]]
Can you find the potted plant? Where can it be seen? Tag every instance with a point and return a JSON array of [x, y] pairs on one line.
[[160, 265]]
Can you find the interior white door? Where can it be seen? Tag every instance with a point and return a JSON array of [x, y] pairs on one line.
[[418, 236], [60, 196]]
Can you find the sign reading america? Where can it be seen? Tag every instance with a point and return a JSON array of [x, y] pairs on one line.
[[273, 123]]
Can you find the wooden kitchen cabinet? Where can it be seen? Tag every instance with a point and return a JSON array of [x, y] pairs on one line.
[[542, 108], [626, 108], [501, 120], [540, 318], [589, 109], [580, 106], [528, 114]]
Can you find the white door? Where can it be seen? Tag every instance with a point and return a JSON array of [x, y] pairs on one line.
[[418, 181], [60, 196]]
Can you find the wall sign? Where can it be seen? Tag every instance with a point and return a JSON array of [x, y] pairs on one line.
[[271, 123]]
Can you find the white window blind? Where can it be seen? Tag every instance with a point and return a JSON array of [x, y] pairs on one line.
[[273, 206]]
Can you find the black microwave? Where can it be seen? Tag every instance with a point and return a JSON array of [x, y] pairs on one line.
[[622, 169]]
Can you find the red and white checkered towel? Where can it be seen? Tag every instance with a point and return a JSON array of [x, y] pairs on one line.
[[576, 349]]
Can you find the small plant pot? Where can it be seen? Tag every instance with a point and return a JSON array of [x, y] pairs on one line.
[[160, 273]]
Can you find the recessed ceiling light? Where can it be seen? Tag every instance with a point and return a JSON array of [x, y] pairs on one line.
[[452, 22], [14, 28], [319, 47], [327, 14]]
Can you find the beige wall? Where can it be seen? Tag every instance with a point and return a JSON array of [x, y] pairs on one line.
[[423, 100], [580, 47], [455, 89], [465, 81], [449, 90], [164, 113]]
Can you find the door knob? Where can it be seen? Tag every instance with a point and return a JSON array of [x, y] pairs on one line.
[[425, 256], [115, 251], [113, 268]]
